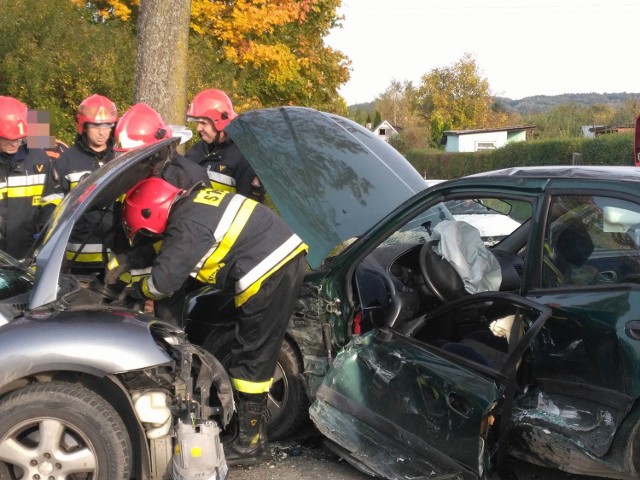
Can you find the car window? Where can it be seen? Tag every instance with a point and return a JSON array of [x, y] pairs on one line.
[[420, 227], [495, 219], [13, 281], [591, 240]]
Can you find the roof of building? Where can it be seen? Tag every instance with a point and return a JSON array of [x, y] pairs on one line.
[[487, 130]]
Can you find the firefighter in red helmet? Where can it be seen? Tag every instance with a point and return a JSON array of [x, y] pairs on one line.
[[26, 183], [226, 166], [96, 119], [141, 126], [224, 239]]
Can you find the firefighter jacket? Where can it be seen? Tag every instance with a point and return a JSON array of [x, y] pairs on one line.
[[85, 249], [26, 201], [227, 168], [183, 173], [222, 239], [179, 172], [58, 149], [79, 161]]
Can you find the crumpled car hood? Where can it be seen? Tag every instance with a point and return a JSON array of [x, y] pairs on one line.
[[330, 178], [99, 189]]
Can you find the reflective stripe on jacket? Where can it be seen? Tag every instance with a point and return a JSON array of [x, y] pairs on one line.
[[221, 238], [86, 246], [227, 168], [25, 180]]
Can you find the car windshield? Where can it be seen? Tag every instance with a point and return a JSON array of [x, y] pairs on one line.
[[14, 279], [494, 218]]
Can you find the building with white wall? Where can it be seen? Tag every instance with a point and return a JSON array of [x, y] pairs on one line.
[[484, 138]]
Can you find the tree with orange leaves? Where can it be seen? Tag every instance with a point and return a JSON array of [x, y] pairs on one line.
[[264, 53]]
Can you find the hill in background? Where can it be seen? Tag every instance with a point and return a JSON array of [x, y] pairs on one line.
[[540, 103]]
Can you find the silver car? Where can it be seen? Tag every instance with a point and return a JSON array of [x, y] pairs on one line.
[[92, 391]]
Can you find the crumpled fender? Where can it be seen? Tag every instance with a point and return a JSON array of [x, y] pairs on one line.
[[94, 341], [213, 374]]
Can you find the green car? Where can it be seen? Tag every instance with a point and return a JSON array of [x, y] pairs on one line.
[[419, 348]]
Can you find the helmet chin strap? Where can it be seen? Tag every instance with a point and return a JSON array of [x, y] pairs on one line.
[[216, 139]]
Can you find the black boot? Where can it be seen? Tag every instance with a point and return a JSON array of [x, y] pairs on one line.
[[250, 443]]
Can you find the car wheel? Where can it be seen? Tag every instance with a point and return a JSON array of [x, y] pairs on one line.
[[62, 430], [287, 404]]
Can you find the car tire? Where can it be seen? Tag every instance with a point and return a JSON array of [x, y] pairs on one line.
[[287, 404], [43, 424]]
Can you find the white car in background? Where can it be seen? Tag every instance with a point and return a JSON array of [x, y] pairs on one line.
[[490, 222]]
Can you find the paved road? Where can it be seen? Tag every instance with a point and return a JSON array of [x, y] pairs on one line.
[[305, 458]]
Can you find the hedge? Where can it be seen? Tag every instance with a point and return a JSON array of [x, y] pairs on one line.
[[613, 149]]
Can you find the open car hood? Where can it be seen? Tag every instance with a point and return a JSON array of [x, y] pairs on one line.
[[330, 178], [100, 189]]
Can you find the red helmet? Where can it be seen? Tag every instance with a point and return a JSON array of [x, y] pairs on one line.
[[146, 207], [140, 125], [214, 105], [95, 109], [13, 118]]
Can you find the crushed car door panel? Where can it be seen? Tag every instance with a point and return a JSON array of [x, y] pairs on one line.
[[419, 396]]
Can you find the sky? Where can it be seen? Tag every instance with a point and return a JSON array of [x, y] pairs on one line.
[[522, 48]]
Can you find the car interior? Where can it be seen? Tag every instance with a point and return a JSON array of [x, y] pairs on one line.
[[402, 283]]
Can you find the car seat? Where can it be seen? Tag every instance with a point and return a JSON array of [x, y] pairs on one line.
[[570, 250]]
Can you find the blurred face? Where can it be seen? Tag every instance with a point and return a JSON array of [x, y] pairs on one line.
[[9, 146], [207, 131], [98, 135]]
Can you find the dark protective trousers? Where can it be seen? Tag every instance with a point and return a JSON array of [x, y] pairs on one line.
[[261, 323]]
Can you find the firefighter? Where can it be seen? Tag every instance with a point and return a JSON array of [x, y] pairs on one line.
[[96, 119], [39, 136], [140, 126], [226, 166], [225, 239], [27, 194], [58, 148]]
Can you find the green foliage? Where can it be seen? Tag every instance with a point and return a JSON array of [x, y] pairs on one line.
[[361, 114], [612, 149], [394, 104], [437, 127], [455, 96], [53, 55], [377, 120], [410, 138], [566, 120]]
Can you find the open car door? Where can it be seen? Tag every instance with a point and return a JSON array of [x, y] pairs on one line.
[[433, 396]]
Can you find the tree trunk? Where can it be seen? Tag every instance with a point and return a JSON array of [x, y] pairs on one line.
[[161, 60]]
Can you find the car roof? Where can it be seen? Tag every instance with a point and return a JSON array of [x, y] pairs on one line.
[[615, 173]]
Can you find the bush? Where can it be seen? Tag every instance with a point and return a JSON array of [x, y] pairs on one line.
[[613, 149]]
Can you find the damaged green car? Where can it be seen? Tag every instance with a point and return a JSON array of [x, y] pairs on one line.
[[420, 349]]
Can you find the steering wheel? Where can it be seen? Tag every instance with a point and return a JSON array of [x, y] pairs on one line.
[[439, 278]]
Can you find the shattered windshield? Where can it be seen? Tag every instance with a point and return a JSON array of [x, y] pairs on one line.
[[419, 229], [494, 218], [14, 280]]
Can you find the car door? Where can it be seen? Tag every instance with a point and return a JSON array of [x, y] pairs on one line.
[[417, 398], [585, 358]]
